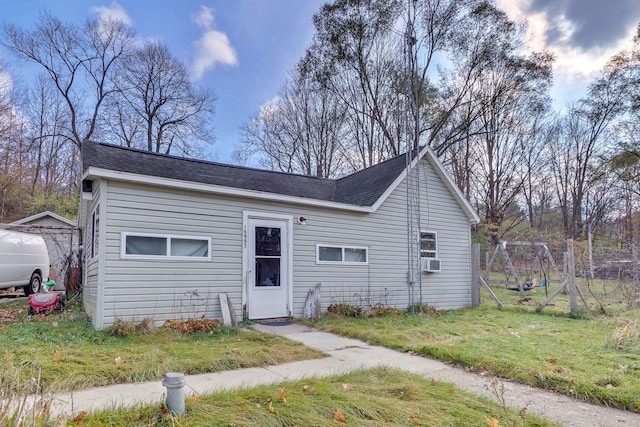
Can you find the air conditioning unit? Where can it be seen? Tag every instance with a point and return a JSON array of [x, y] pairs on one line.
[[431, 265]]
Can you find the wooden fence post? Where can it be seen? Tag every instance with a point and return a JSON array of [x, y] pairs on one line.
[[572, 277], [475, 275]]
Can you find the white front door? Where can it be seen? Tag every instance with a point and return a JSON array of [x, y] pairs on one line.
[[267, 268]]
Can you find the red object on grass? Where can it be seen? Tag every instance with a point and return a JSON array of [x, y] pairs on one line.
[[42, 302]]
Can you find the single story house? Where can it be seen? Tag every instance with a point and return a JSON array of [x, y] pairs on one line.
[[164, 236]]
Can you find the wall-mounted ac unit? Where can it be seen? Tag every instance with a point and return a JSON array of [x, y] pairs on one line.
[[431, 265]]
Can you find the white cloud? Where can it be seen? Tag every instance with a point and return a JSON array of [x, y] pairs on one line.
[[113, 12], [213, 47], [205, 18], [573, 63]]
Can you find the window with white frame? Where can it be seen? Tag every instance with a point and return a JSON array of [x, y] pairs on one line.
[[330, 254], [95, 231], [139, 245], [428, 244]]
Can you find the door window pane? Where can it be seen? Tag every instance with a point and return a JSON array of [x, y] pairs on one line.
[[267, 271], [267, 241]]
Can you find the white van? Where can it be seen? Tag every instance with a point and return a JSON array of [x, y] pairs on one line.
[[24, 261]]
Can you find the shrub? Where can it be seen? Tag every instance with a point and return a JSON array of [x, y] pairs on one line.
[[124, 328], [191, 326], [378, 311], [346, 310]]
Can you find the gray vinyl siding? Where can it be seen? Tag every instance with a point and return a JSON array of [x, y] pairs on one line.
[[167, 289], [384, 280], [171, 289], [449, 288]]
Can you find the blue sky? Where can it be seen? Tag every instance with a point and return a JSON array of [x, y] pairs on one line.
[[243, 49]]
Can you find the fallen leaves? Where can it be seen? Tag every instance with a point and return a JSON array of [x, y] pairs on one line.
[[190, 326], [10, 314], [80, 417], [415, 420]]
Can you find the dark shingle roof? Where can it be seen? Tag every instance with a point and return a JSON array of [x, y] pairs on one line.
[[362, 188]]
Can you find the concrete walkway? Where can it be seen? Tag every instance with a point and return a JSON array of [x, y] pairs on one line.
[[346, 355]]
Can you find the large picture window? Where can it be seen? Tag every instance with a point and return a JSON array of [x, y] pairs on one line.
[[160, 246], [428, 244], [329, 254]]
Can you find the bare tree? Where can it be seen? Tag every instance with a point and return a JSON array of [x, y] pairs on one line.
[[300, 132], [6, 103], [491, 139], [79, 60], [355, 55], [169, 111], [580, 144], [50, 149], [15, 170]]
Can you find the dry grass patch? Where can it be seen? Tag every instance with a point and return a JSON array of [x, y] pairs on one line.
[[377, 397], [594, 357], [72, 355]]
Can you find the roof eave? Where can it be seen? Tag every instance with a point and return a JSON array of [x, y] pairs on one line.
[[443, 174], [42, 215], [93, 172]]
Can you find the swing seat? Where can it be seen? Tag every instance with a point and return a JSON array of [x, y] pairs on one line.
[[528, 286]]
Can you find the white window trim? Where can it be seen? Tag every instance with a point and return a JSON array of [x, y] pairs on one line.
[[343, 247], [435, 233], [168, 237]]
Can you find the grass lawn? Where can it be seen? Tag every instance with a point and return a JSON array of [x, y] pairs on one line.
[[69, 354], [374, 397], [591, 357], [595, 357], [65, 353]]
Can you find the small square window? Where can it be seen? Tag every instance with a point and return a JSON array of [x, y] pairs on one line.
[[428, 244]]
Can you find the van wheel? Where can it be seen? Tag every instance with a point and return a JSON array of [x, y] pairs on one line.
[[34, 284]]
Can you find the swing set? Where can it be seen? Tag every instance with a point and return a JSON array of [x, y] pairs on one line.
[[531, 259], [535, 257]]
